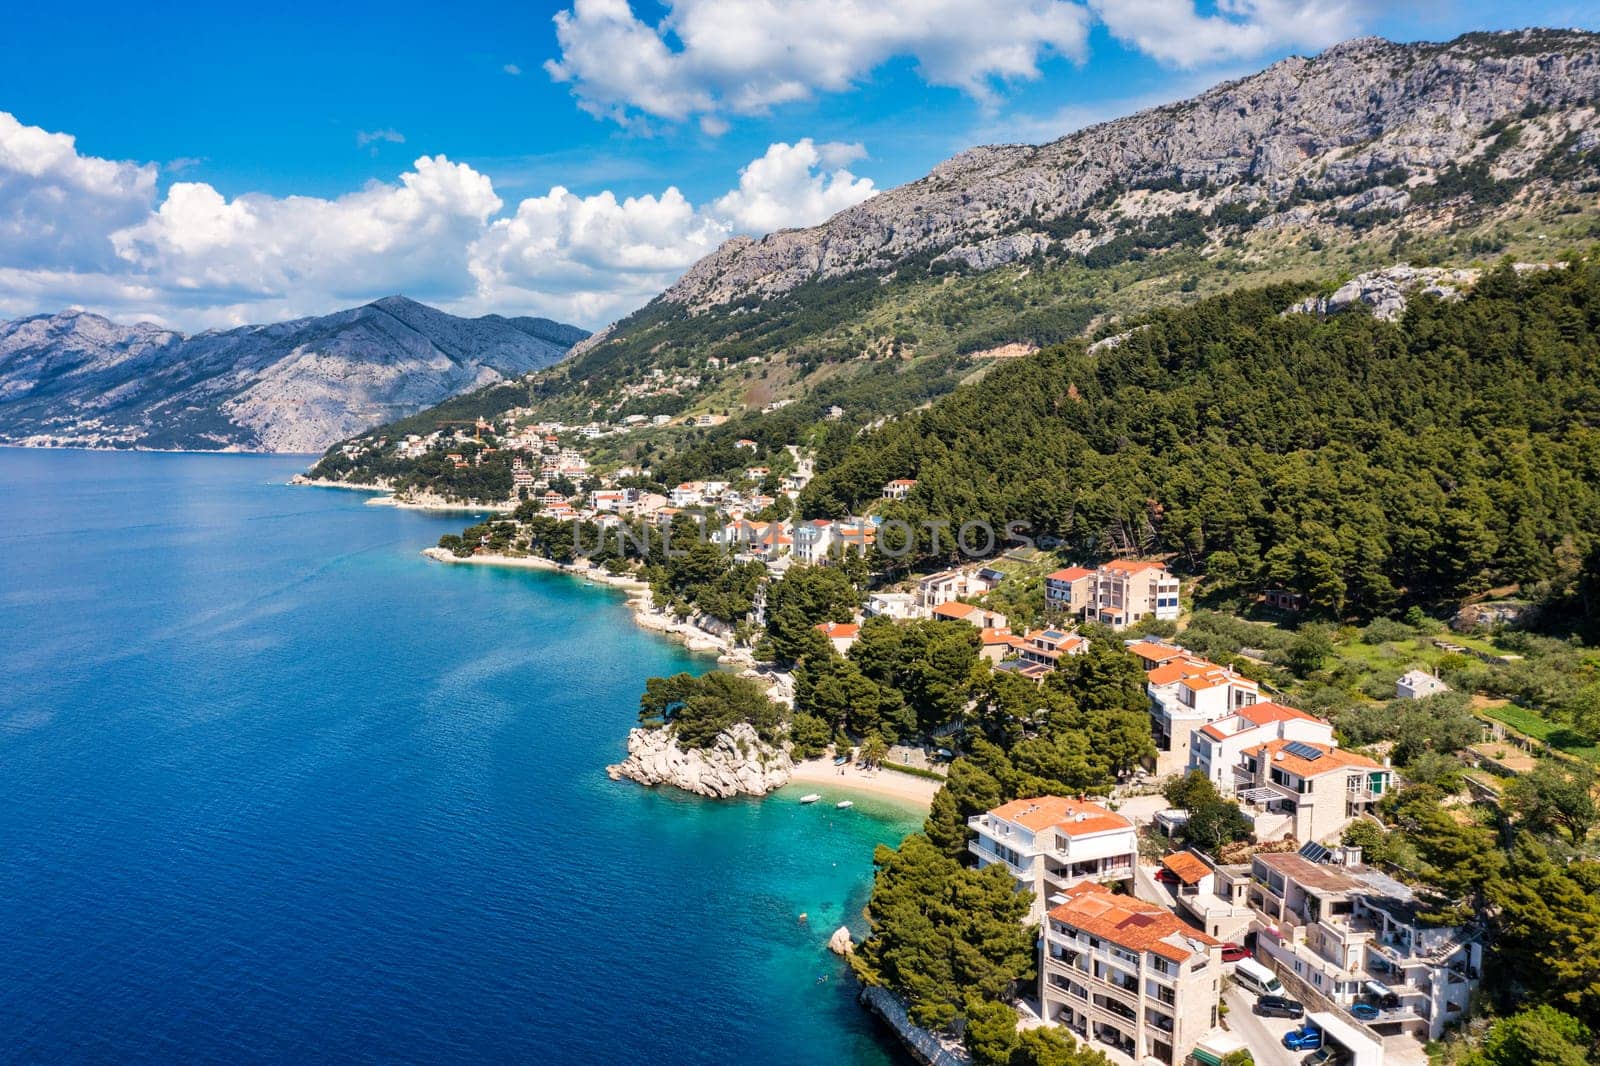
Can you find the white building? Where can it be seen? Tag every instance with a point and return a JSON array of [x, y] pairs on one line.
[[1187, 692], [1128, 590], [1217, 748], [1417, 685], [1355, 935], [1050, 843]]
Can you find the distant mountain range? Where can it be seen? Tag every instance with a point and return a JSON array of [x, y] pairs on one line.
[[79, 380]]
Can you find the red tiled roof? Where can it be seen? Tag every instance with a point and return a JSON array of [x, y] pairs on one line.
[[839, 630], [1187, 866], [955, 609], [1071, 573], [1069, 816], [1130, 923], [1133, 566], [1331, 759]]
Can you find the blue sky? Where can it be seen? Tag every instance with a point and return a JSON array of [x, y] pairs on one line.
[[273, 121]]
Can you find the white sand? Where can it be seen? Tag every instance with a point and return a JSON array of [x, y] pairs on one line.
[[819, 774]]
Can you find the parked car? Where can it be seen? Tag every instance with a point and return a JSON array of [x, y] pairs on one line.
[[1308, 1038], [1327, 1055], [1386, 1001], [1279, 1007], [1167, 877], [1364, 1012], [1234, 952]]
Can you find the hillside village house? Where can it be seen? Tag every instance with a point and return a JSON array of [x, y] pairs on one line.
[[1129, 975], [1354, 934], [840, 634], [982, 617], [995, 643], [1050, 843], [1070, 590], [899, 488], [901, 606], [1209, 900], [947, 585], [1045, 647], [1128, 591], [1418, 685], [1217, 748], [1318, 789], [1187, 692]]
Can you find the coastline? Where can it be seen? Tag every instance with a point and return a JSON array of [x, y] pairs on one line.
[[388, 498], [640, 601], [820, 774]]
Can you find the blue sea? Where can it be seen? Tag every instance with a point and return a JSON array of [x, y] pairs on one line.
[[278, 789]]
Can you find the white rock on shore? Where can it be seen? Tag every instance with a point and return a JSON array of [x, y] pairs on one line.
[[840, 942], [738, 763]]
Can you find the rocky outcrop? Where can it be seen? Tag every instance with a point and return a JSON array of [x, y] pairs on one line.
[[1386, 291], [840, 943], [78, 379], [738, 763], [1355, 131], [924, 1045]]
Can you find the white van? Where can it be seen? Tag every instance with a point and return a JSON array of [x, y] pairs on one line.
[[1254, 977]]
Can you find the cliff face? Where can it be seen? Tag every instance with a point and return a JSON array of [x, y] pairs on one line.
[[1366, 126], [739, 763], [78, 379]]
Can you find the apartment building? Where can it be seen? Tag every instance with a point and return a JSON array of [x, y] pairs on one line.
[[1046, 647], [1050, 843], [1128, 975], [1128, 590], [1207, 897], [1187, 692], [1317, 788], [1070, 590], [1216, 748], [1353, 934]]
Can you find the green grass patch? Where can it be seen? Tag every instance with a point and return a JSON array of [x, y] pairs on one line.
[[914, 771], [1559, 737]]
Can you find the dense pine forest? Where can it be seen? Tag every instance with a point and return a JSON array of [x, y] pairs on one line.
[[1367, 464]]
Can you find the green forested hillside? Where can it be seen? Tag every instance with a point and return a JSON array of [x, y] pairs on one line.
[[1364, 463]]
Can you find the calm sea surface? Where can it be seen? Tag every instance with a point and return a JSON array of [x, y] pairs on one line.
[[278, 789]]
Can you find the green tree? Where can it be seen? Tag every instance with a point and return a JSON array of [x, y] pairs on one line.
[[1538, 1036], [1556, 794], [697, 709], [991, 1033], [943, 933]]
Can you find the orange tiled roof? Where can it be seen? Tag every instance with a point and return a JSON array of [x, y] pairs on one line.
[[839, 630], [1187, 866], [1071, 573], [1156, 653], [1070, 816], [1130, 923], [954, 609], [1331, 759], [1133, 566], [1262, 713]]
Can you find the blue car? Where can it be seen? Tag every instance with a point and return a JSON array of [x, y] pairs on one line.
[[1364, 1012], [1307, 1039]]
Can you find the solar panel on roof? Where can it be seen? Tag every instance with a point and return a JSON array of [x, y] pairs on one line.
[[1303, 751], [1315, 852]]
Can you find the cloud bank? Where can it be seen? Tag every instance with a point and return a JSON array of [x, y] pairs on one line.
[[86, 232], [707, 59]]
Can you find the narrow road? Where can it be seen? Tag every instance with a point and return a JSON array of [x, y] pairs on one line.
[[1263, 1035]]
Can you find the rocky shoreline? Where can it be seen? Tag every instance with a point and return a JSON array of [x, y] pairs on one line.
[[739, 763], [414, 502]]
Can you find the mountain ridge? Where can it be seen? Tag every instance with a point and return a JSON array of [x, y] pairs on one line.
[[76, 378]]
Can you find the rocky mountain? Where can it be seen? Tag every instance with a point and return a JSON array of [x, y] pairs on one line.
[[1367, 126], [77, 379], [1313, 171]]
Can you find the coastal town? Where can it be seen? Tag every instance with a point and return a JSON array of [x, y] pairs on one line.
[[1208, 900]]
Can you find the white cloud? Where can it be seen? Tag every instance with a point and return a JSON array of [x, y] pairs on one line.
[[58, 208], [708, 59], [785, 187], [85, 232], [366, 137], [1174, 32], [513, 70], [744, 56]]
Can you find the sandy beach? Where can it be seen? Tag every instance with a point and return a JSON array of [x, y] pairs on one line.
[[820, 775]]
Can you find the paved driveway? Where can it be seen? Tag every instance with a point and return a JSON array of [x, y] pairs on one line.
[[1263, 1035]]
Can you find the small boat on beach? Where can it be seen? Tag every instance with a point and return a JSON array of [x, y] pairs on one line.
[[844, 805], [811, 797]]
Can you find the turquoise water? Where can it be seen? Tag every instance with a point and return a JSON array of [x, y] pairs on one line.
[[278, 789]]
